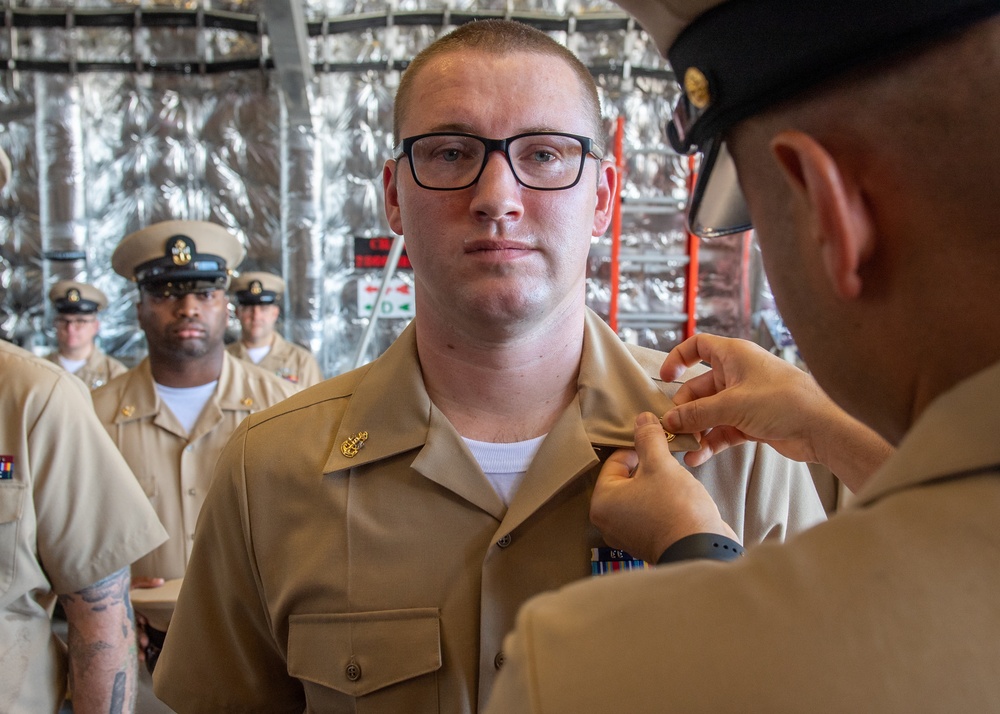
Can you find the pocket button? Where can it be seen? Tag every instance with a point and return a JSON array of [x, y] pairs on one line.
[[353, 671]]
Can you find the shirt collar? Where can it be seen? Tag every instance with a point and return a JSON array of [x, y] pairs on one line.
[[390, 404]]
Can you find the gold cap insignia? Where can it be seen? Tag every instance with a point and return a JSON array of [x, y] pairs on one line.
[[696, 87], [181, 251], [352, 446], [670, 437], [128, 411], [247, 401], [73, 295], [256, 288]]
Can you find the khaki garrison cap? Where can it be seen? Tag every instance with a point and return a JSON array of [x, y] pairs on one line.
[[179, 255], [257, 288], [737, 58], [71, 297]]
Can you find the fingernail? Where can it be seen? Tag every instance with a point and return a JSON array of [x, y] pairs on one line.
[[646, 418], [672, 421]]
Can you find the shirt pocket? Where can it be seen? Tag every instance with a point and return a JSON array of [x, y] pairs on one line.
[[11, 508], [377, 661]]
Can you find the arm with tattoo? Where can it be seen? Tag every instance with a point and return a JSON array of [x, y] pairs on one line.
[[102, 646]]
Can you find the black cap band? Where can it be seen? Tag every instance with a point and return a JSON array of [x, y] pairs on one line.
[[752, 54], [66, 306], [248, 297], [201, 267]]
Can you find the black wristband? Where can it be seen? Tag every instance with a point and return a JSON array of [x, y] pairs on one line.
[[702, 545]]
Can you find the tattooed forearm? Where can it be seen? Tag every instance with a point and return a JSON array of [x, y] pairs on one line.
[[102, 649]]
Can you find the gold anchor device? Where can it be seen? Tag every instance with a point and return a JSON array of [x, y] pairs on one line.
[[352, 446]]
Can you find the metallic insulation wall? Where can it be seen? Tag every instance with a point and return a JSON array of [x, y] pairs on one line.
[[117, 115]]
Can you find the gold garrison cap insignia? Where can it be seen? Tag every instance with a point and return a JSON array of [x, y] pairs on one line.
[[256, 288], [73, 295], [128, 411], [352, 446], [181, 250], [696, 87]]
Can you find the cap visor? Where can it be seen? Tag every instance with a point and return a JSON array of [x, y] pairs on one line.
[[717, 206]]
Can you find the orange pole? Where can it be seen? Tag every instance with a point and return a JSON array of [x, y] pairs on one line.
[[691, 291], [616, 224]]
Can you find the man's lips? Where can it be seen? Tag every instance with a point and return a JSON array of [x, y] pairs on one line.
[[189, 332], [497, 246]]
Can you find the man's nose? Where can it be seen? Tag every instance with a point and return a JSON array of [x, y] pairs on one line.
[[497, 193], [188, 304]]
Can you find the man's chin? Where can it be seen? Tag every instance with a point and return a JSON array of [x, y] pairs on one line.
[[189, 349]]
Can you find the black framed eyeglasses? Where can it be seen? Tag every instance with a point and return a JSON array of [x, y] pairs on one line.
[[543, 161]]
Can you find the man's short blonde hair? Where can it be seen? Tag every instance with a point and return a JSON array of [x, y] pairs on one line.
[[500, 37]]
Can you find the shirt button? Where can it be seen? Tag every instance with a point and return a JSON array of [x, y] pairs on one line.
[[353, 672], [504, 542], [498, 660], [191, 492]]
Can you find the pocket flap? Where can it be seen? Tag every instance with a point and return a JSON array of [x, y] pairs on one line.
[[361, 652], [11, 500]]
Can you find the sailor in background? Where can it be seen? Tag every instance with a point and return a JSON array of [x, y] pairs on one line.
[[77, 326], [257, 296], [171, 415]]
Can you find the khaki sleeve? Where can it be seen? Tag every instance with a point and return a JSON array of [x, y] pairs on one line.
[[311, 373], [82, 483], [761, 494]]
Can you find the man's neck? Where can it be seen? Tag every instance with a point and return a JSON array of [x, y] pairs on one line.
[[507, 390], [78, 353], [250, 342], [181, 373]]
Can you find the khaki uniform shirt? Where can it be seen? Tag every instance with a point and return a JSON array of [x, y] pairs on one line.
[[173, 467], [285, 359], [890, 606], [98, 370], [71, 514], [386, 582]]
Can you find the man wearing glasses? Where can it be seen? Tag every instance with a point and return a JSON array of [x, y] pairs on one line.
[[76, 305], [375, 560]]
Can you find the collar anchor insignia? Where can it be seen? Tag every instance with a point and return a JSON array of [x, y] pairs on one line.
[[353, 445]]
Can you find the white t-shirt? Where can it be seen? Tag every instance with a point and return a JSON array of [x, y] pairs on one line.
[[505, 464], [256, 354], [186, 403], [71, 365]]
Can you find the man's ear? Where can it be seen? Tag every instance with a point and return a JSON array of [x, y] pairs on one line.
[[607, 190], [391, 196], [833, 206]]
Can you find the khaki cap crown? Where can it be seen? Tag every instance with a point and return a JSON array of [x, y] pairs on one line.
[[70, 296], [173, 252], [257, 288]]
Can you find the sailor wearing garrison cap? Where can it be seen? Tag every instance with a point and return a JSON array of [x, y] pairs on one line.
[[77, 326], [859, 138], [171, 415], [257, 296]]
